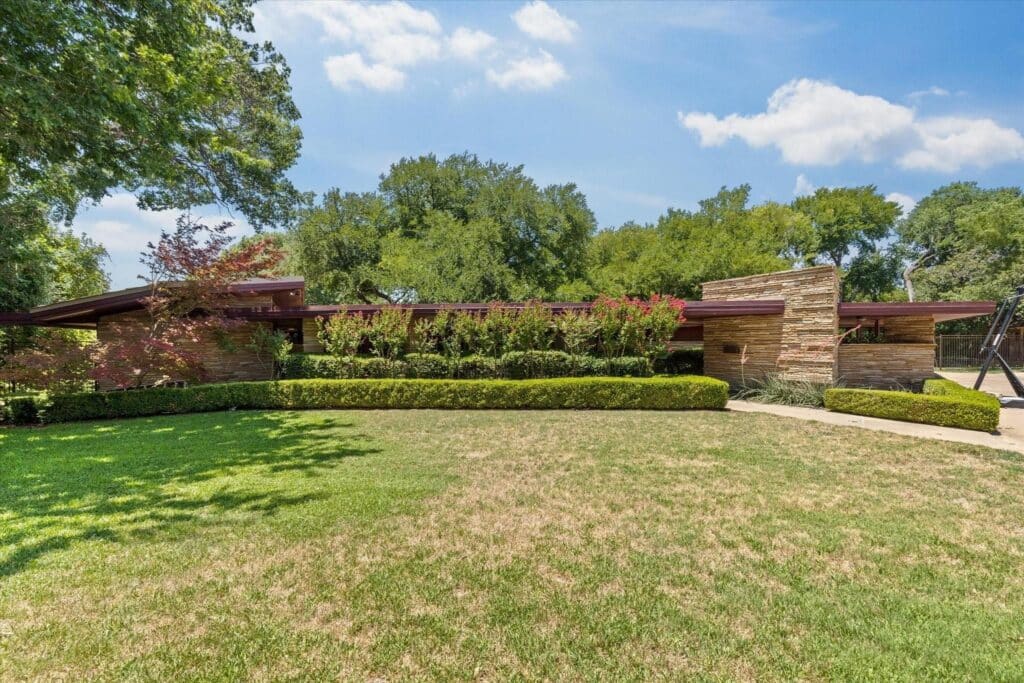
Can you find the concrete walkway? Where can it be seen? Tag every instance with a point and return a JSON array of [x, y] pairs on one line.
[[1009, 438]]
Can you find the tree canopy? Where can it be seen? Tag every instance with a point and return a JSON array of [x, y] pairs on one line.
[[850, 226], [965, 242], [457, 229], [724, 238], [162, 99]]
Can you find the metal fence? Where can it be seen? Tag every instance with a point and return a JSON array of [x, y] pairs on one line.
[[964, 350]]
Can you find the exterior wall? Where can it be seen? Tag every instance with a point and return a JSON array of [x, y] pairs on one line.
[[885, 366], [221, 365], [310, 341], [909, 329], [906, 357], [800, 344]]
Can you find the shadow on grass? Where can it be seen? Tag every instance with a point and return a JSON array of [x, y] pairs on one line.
[[135, 479]]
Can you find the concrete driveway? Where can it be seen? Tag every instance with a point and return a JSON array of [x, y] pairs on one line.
[[1011, 420]]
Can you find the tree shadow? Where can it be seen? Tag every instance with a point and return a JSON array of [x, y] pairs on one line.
[[142, 479]]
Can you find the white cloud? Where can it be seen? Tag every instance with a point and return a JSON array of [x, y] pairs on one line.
[[906, 202], [540, 20], [346, 71], [466, 43], [529, 73], [376, 28], [934, 91], [817, 123], [803, 186], [124, 229], [948, 143]]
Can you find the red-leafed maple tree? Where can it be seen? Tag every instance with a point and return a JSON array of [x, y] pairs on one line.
[[191, 273]]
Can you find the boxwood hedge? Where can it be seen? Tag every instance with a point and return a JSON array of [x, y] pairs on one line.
[[513, 365], [656, 393], [942, 402]]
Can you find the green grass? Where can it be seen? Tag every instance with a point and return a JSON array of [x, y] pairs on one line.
[[447, 544]]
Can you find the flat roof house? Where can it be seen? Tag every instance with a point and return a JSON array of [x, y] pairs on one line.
[[789, 323]]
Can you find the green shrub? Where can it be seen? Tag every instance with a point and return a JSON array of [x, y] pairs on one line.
[[537, 364], [628, 366], [476, 367], [659, 393], [427, 366], [22, 411], [943, 403]]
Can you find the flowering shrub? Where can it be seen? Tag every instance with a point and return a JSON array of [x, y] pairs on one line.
[[635, 327], [576, 332], [388, 331], [532, 328], [342, 334]]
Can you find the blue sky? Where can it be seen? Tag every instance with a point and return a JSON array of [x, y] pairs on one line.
[[644, 105]]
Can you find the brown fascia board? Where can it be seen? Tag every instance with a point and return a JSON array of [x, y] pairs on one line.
[[88, 309], [937, 310], [693, 310]]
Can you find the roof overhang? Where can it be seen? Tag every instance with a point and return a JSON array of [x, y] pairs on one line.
[[693, 310], [939, 311], [85, 312]]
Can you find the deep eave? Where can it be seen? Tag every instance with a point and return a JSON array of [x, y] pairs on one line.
[[939, 311], [693, 310]]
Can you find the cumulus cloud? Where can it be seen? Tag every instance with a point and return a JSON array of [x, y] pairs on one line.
[[803, 186], [466, 43], [346, 71], [529, 73], [124, 229], [817, 123], [379, 29], [906, 202], [540, 20], [383, 42]]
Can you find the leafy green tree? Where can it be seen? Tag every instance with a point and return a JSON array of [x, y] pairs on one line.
[[457, 229], [965, 242], [849, 224], [164, 99], [723, 238]]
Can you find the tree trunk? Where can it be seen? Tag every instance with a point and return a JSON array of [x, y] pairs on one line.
[[909, 270]]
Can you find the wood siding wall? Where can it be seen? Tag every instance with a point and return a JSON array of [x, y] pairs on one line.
[[221, 365], [800, 344], [885, 366], [310, 340]]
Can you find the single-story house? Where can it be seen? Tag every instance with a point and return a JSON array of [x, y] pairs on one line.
[[791, 323]]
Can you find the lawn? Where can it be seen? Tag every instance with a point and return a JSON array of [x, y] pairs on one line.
[[495, 545]]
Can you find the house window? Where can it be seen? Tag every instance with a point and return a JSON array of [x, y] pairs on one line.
[[730, 348]]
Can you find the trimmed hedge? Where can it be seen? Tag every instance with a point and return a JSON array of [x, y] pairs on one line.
[[943, 403], [602, 393], [512, 365]]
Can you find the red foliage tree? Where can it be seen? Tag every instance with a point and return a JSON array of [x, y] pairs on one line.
[[191, 271]]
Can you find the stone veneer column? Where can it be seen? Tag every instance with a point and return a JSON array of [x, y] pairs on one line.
[[800, 344]]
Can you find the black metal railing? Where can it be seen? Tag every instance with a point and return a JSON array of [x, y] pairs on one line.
[[964, 350]]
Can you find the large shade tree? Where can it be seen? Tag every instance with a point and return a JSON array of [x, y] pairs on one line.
[[965, 242], [724, 237], [457, 229], [851, 226], [165, 99]]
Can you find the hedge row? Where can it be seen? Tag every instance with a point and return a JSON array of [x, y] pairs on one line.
[[513, 365], [611, 393], [943, 403]]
